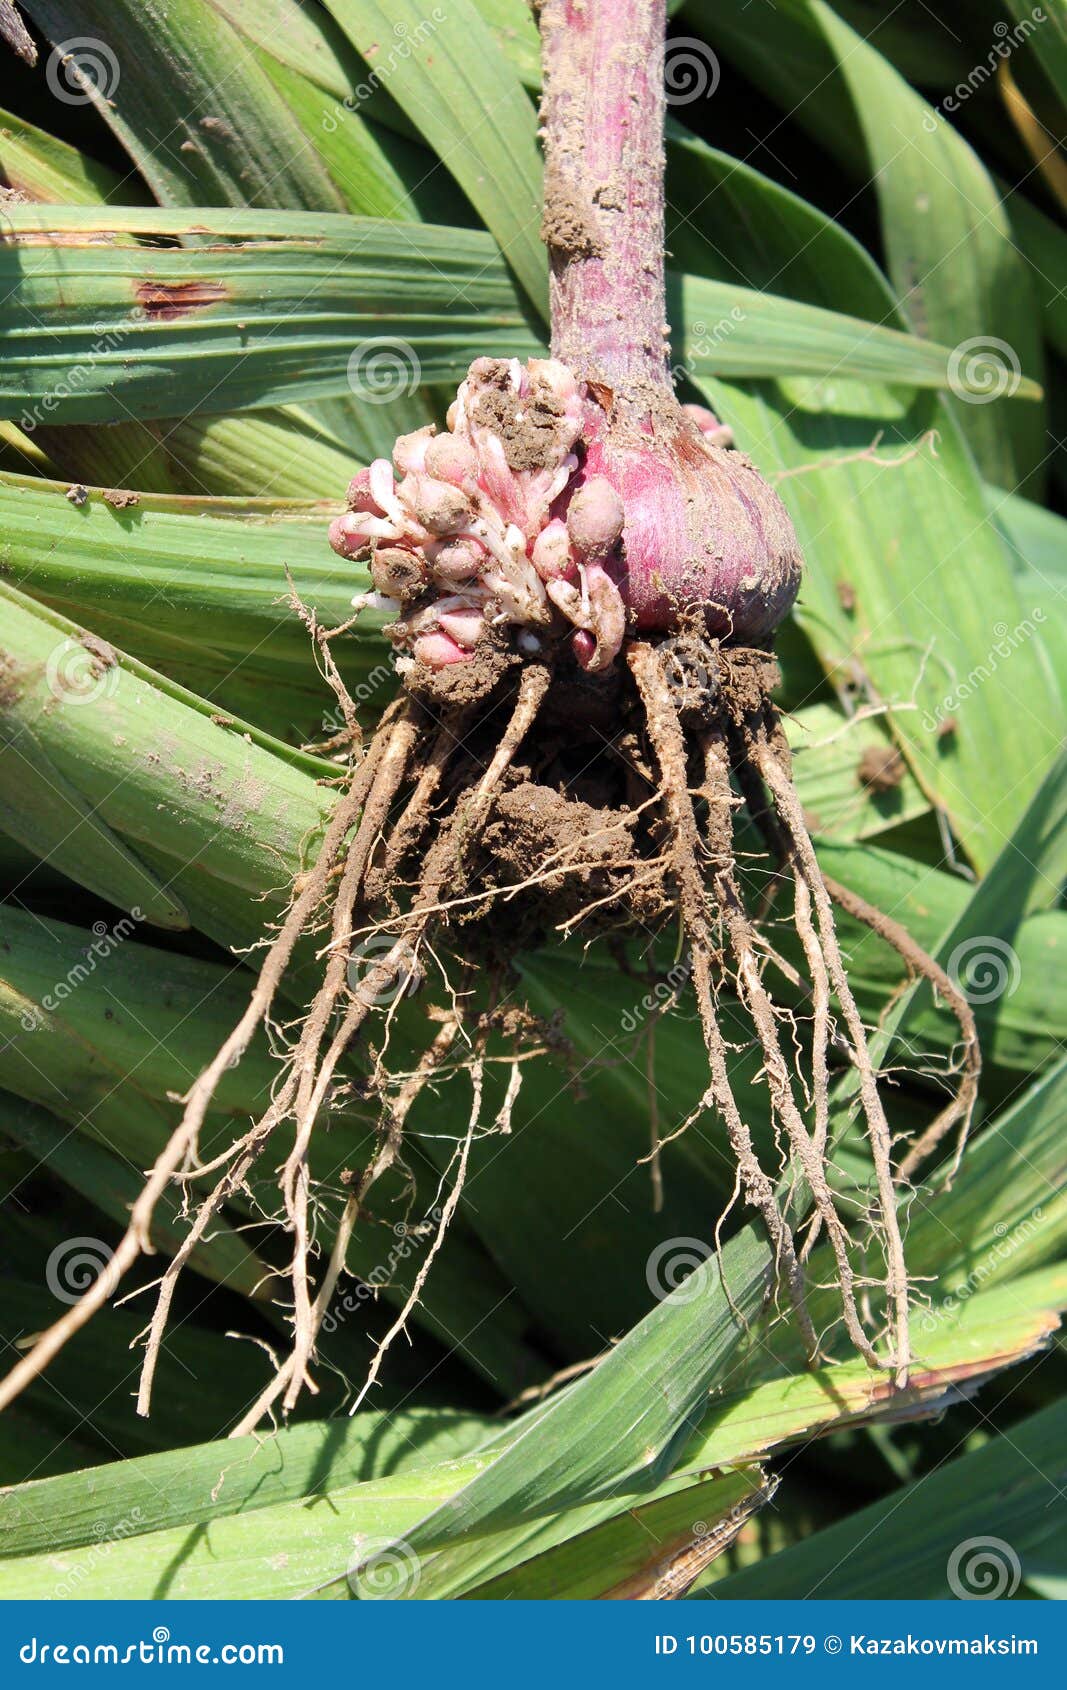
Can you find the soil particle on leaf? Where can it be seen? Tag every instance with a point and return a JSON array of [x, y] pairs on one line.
[[881, 768], [10, 682], [103, 654], [218, 126], [120, 498]]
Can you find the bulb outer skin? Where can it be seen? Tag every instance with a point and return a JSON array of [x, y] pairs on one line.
[[701, 528]]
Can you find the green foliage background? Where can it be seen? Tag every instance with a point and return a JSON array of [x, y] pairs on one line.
[[866, 280]]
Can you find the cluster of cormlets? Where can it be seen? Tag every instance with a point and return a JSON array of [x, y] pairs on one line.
[[491, 524]]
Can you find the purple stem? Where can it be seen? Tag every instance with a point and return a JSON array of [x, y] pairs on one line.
[[603, 110]]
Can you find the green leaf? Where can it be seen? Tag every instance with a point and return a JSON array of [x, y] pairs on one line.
[[204, 806], [106, 1032], [651, 1551], [610, 1432], [455, 86], [1037, 541], [50, 816], [273, 312], [278, 454], [921, 1532], [175, 68], [1043, 31], [202, 1377], [836, 760], [727, 330], [1044, 246], [955, 268], [900, 537], [885, 524], [278, 1551], [113, 1183], [376, 174], [189, 1487], [40, 167], [392, 305], [249, 1495], [740, 1423], [955, 271], [1006, 1213]]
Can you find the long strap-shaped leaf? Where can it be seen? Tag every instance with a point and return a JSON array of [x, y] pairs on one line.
[[925, 1536], [188, 101], [446, 72], [949, 249], [288, 305], [259, 1513], [51, 817], [955, 271]]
